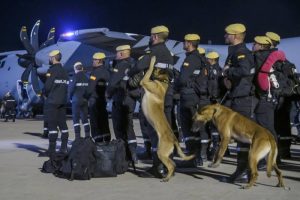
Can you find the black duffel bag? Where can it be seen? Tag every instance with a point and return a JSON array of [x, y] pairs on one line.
[[121, 159], [105, 160], [111, 159], [81, 160]]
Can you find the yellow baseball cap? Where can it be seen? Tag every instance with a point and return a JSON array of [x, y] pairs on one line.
[[54, 53], [273, 36], [123, 47], [212, 55], [191, 37], [159, 29], [262, 40], [99, 56], [201, 50], [234, 29]]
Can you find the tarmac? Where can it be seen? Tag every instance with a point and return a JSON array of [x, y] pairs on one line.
[[21, 178]]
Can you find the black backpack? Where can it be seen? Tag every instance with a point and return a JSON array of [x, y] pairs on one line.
[[288, 79], [81, 160]]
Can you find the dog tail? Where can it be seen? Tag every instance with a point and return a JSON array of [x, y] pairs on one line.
[[180, 152], [272, 156]]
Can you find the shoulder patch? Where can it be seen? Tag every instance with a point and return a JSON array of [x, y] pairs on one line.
[[186, 64], [241, 56], [93, 78], [48, 74], [147, 52]]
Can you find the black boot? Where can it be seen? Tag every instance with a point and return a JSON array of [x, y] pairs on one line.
[[241, 174], [45, 134], [132, 149], [202, 154], [146, 154], [77, 132], [215, 147], [262, 165], [157, 170], [52, 144], [64, 142]]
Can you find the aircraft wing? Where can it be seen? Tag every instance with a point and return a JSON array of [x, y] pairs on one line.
[[103, 38]]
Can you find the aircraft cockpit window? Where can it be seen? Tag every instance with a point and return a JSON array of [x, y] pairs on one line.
[[2, 63]]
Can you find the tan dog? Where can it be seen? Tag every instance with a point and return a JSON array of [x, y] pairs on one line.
[[231, 124], [153, 108]]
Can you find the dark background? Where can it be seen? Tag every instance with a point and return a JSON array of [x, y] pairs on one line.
[[205, 17]]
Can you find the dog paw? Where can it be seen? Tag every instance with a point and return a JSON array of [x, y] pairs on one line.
[[165, 180], [213, 165], [246, 187]]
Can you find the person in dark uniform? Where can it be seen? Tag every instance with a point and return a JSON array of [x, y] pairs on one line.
[[97, 101], [78, 95], [282, 114], [9, 103], [214, 75], [201, 51], [164, 60], [239, 70], [45, 124], [189, 100], [267, 100], [123, 104], [56, 90]]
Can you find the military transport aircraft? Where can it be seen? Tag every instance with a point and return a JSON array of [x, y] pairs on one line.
[[23, 72]]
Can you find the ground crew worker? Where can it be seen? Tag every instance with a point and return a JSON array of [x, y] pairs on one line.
[[78, 96], [189, 100], [56, 90], [123, 104], [282, 114], [214, 74], [9, 107], [239, 70], [164, 60], [97, 101]]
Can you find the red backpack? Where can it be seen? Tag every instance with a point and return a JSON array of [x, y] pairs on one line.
[[264, 80]]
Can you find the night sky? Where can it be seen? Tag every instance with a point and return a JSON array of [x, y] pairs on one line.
[[208, 18]]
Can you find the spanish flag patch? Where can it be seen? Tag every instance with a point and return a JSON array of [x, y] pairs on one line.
[[241, 57], [186, 64], [48, 74], [93, 78]]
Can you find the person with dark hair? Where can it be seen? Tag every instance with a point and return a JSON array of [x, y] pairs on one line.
[[282, 113], [123, 104], [78, 95], [239, 71], [97, 100], [9, 104], [267, 100], [214, 75], [191, 68], [164, 61], [56, 90]]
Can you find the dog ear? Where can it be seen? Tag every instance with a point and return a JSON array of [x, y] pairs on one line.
[[215, 110]]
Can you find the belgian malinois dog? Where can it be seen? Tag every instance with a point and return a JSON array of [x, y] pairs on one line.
[[153, 107], [231, 124]]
